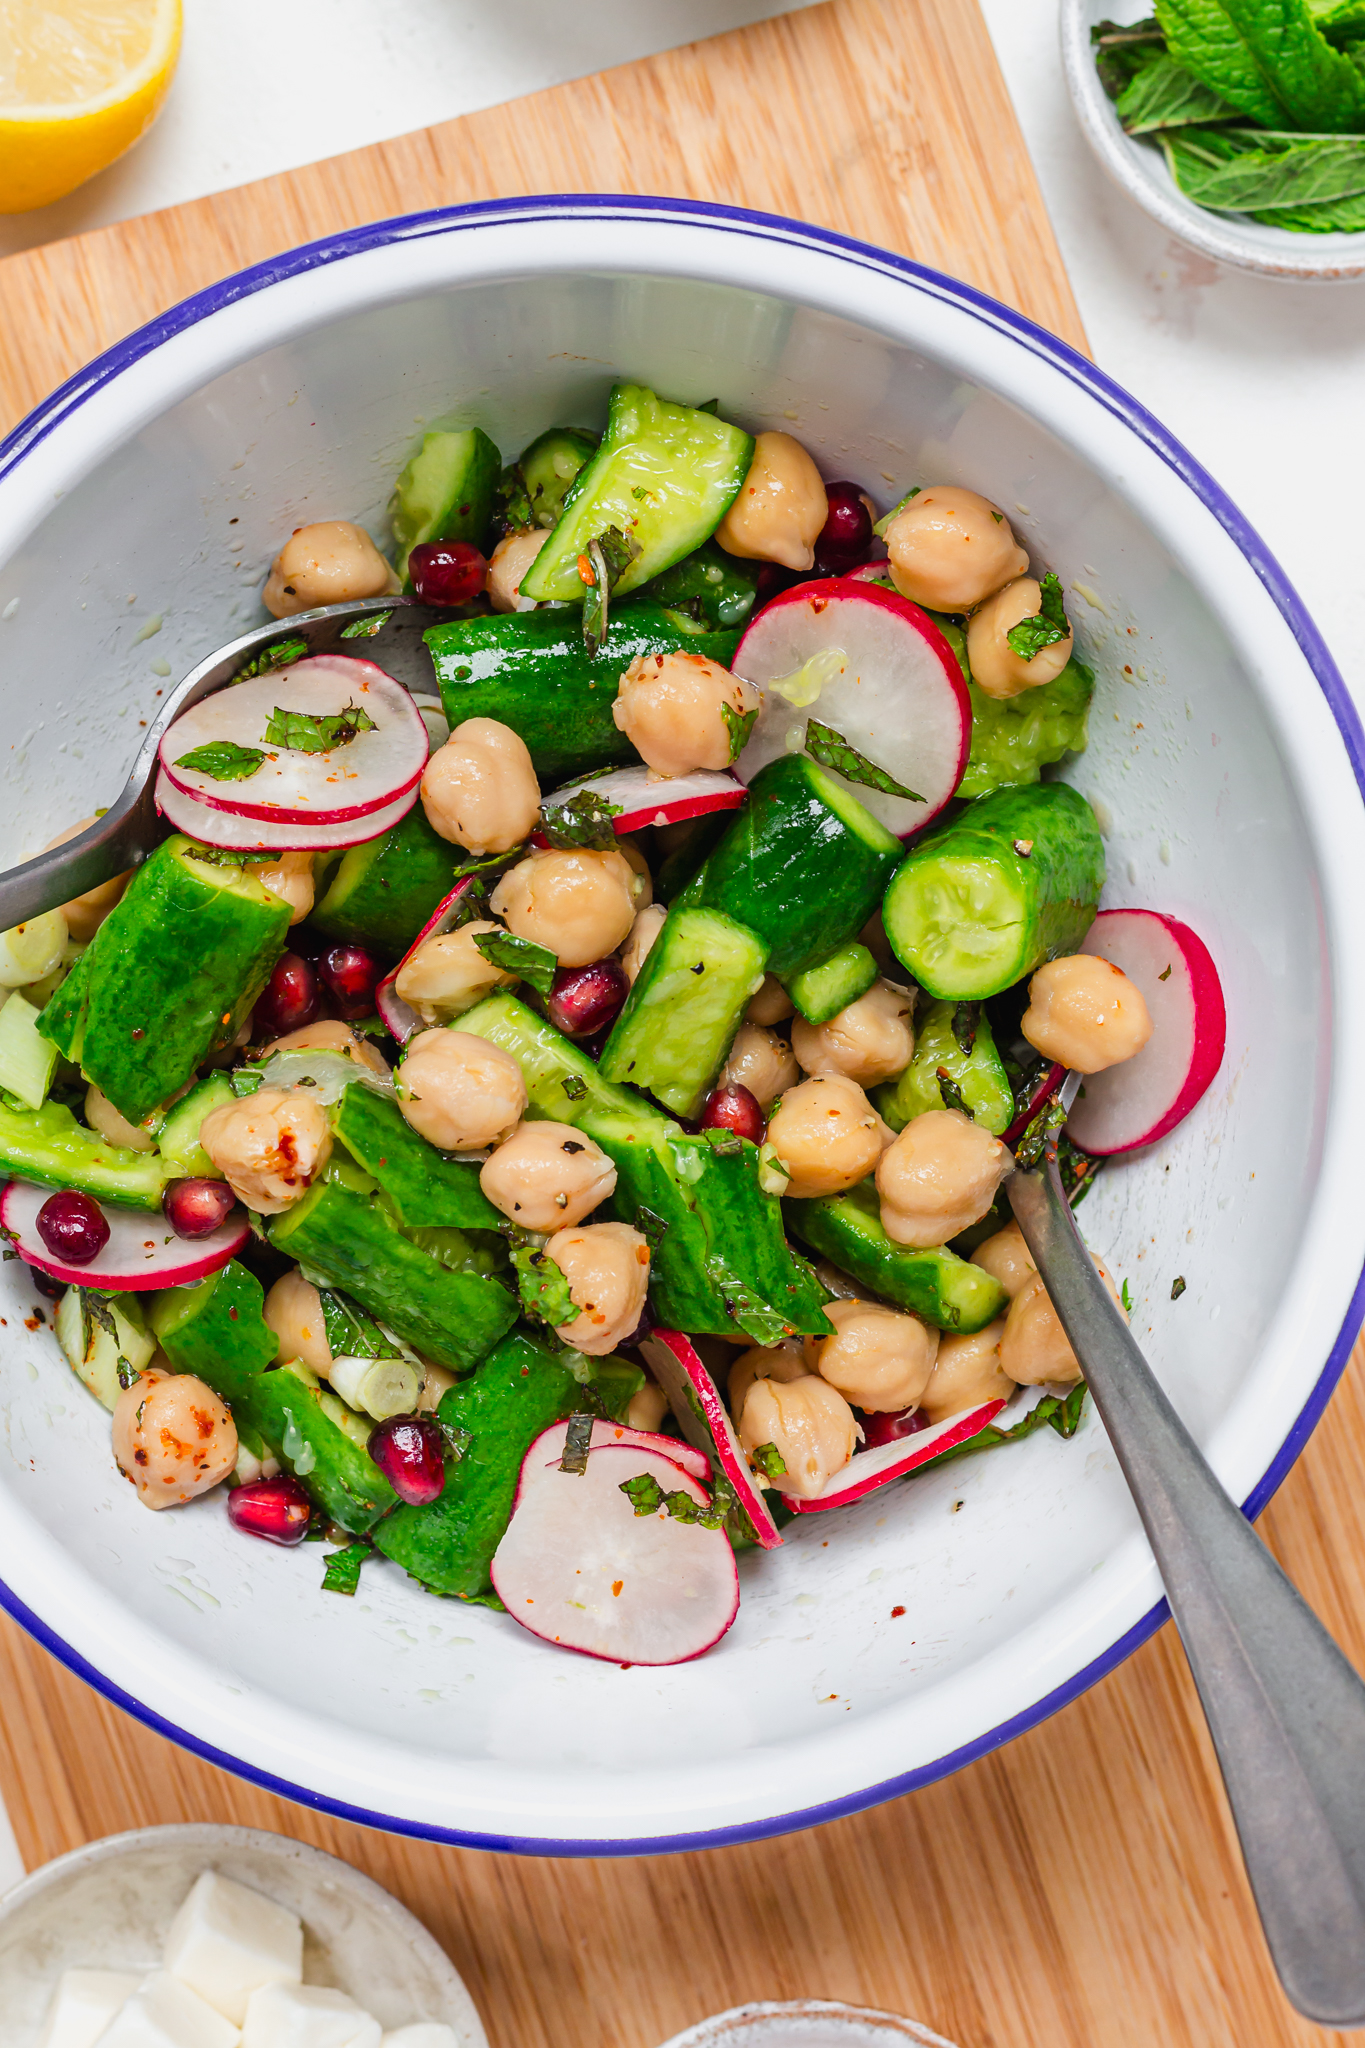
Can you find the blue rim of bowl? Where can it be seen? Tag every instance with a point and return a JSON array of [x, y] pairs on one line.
[[774, 228]]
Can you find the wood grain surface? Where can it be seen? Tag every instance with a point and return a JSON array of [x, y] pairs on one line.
[[1080, 1889]]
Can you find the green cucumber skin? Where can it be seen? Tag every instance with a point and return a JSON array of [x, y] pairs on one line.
[[177, 1138], [822, 991], [531, 670], [1059, 880], [47, 1145], [716, 588], [550, 467], [934, 1284], [169, 977], [383, 891], [547, 1059], [453, 1319], [445, 492], [218, 1331], [688, 1001], [687, 468], [794, 870], [979, 1074], [427, 1190]]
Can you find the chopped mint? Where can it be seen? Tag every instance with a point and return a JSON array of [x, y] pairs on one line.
[[600, 569], [341, 1569], [1047, 626], [767, 1459], [313, 732], [543, 1288], [351, 1332], [577, 1444], [646, 1496], [952, 1095], [278, 656], [739, 724], [585, 820], [1054, 1411], [365, 629], [223, 761], [832, 750], [751, 1314], [533, 963], [574, 1086], [652, 1228], [1177, 1287]]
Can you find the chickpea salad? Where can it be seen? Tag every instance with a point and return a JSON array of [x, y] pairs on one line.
[[549, 1131]]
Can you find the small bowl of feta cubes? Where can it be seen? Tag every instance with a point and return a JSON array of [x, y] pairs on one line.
[[207, 1936]]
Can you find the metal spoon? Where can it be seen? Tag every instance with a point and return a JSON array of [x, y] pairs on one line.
[[130, 829], [1285, 1708]]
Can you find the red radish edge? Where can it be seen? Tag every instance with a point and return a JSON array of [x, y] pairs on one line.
[[705, 1421], [401, 1019], [237, 799], [253, 835], [867, 1470], [143, 1252], [664, 801], [1046, 1086], [819, 595], [1144, 1098]]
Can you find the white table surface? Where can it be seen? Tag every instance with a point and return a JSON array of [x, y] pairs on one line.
[[1264, 382]]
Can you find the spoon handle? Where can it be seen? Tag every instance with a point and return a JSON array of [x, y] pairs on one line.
[[1285, 1708]]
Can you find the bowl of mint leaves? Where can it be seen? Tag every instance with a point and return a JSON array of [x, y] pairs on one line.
[[1239, 125]]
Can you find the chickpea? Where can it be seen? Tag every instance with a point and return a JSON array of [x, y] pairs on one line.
[[649, 922], [269, 1147], [950, 548], [326, 563], [780, 507], [85, 914], [642, 882], [868, 1041], [607, 1268], [447, 975], [1034, 1347], [761, 1062], [547, 1176], [809, 1424], [1085, 1013], [671, 707], [579, 904], [771, 1005], [780, 1362], [1006, 1258], [435, 1387], [879, 1358], [329, 1034], [293, 1309], [508, 563], [479, 790], [459, 1092], [173, 1437], [102, 1116], [938, 1176], [827, 1135], [966, 1373], [291, 879], [995, 666], [648, 1408]]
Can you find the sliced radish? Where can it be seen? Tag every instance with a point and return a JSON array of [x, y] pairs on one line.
[[365, 774], [705, 1421], [693, 1462], [255, 835], [143, 1251], [867, 1470], [1143, 1098], [644, 798], [866, 661], [1049, 1080], [400, 1017], [873, 572], [578, 1567]]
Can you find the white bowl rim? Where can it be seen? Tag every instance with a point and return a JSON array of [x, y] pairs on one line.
[[1060, 356], [1277, 253]]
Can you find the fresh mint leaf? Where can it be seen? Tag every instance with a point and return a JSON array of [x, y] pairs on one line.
[[644, 1493], [222, 761], [1163, 94], [951, 1094], [574, 1086], [1054, 1411], [313, 732], [1033, 1144], [739, 724], [652, 1228], [533, 963], [365, 629], [832, 750], [646, 1496], [1268, 59], [341, 1569], [279, 656], [585, 820], [755, 1317], [966, 1017], [1126, 1298], [351, 1332], [1076, 1169], [577, 1444], [1047, 626], [600, 568], [543, 1288], [1177, 1287], [1285, 173], [767, 1459]]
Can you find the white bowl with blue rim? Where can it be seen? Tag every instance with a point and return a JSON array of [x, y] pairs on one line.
[[883, 1646]]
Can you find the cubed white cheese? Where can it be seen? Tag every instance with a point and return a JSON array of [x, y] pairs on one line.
[[85, 2002], [227, 1941], [307, 2016], [422, 2034], [164, 2013]]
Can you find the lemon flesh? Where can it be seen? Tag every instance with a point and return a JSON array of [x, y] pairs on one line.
[[80, 81]]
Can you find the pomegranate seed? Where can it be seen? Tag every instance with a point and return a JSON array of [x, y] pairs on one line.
[[276, 1510], [195, 1208], [352, 976], [733, 1108], [73, 1227], [889, 1429], [289, 999], [587, 999], [410, 1452], [846, 535], [447, 572]]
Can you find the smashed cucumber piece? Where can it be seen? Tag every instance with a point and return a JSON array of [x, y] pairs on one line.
[[932, 1283], [445, 492], [383, 891], [532, 490], [177, 1133], [978, 1075], [687, 1003], [714, 588], [822, 991], [105, 1339], [49, 1146], [427, 1190]]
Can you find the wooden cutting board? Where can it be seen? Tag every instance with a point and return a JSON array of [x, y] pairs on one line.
[[1080, 1889]]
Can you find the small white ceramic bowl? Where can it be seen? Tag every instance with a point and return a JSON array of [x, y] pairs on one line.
[[805, 2023], [1140, 169], [885, 1645], [108, 1906]]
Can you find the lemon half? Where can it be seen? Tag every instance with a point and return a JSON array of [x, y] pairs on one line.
[[80, 81]]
